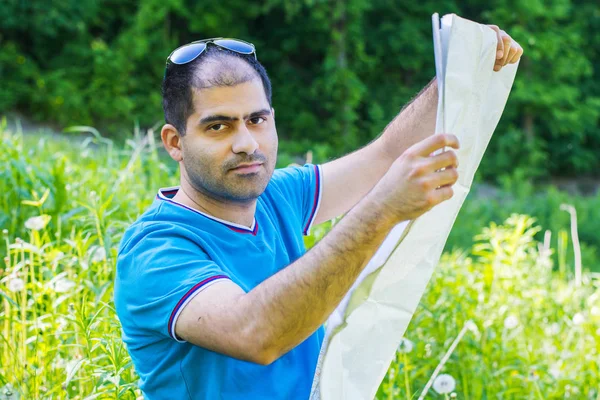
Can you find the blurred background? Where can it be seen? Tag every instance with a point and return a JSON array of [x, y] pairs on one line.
[[81, 159]]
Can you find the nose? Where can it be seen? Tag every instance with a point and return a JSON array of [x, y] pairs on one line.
[[244, 141]]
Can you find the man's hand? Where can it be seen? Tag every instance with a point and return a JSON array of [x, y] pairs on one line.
[[417, 181], [508, 50]]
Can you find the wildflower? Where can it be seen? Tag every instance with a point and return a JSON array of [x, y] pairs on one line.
[[511, 322], [63, 285], [61, 324], [16, 284], [37, 223], [549, 349], [553, 329], [578, 319], [98, 254], [405, 346], [444, 383], [428, 350], [533, 375], [554, 371]]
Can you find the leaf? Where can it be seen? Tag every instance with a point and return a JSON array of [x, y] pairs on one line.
[[72, 368], [37, 203], [7, 297]]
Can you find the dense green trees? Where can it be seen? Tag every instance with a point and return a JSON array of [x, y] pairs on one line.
[[341, 69]]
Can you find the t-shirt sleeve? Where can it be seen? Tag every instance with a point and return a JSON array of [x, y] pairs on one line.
[[159, 271], [302, 187]]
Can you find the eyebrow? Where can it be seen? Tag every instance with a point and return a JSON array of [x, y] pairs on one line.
[[214, 118]]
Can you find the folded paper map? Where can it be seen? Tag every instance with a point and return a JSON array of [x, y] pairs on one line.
[[363, 333]]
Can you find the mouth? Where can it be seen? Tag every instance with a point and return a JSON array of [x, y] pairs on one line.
[[248, 168]]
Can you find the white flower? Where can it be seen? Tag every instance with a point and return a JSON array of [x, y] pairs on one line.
[[444, 383], [16, 284], [553, 329], [595, 311], [63, 285], [555, 371], [405, 346], [98, 254], [549, 348], [37, 223], [578, 319], [511, 322]]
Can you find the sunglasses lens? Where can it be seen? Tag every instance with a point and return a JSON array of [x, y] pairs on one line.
[[235, 45], [187, 53]]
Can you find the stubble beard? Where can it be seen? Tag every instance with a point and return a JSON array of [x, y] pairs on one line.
[[224, 185]]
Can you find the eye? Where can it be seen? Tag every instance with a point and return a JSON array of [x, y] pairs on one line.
[[217, 127], [257, 120]]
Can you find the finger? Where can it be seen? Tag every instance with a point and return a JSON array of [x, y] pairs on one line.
[[500, 45], [442, 194], [507, 40], [511, 54], [446, 177], [517, 55], [427, 146], [447, 159]]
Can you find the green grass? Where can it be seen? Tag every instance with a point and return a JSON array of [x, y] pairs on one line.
[[536, 333]]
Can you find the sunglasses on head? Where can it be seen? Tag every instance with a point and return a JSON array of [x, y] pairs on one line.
[[189, 52]]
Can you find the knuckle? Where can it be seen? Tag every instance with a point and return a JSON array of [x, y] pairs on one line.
[[409, 154], [454, 174], [430, 199], [444, 140], [416, 171], [424, 185], [453, 157]]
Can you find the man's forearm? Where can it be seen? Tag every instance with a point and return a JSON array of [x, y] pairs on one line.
[[350, 178], [415, 122], [292, 304]]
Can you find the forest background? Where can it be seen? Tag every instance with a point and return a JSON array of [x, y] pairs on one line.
[[340, 70]]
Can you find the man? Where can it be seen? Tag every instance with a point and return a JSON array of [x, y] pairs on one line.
[[214, 292]]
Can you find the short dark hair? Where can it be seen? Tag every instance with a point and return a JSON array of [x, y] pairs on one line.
[[177, 96]]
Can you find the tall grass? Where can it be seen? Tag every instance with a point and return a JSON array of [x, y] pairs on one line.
[[65, 204]]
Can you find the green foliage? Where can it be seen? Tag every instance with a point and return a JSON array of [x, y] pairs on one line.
[[544, 204], [340, 69], [66, 204], [535, 336]]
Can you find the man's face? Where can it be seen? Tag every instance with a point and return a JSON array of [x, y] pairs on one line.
[[230, 145]]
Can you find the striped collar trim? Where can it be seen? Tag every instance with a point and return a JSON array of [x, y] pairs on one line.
[[166, 194]]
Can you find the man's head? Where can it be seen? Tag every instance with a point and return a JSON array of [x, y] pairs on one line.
[[219, 116]]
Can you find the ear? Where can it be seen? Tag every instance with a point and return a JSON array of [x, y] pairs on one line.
[[172, 142], [273, 112]]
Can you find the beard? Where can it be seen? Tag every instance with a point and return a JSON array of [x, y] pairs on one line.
[[221, 183]]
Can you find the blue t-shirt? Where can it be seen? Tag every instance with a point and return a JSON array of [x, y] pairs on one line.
[[172, 252]]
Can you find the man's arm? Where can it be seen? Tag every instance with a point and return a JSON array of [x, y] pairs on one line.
[[347, 179], [285, 309]]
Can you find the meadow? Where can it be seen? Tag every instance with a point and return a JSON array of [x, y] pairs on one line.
[[503, 309]]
